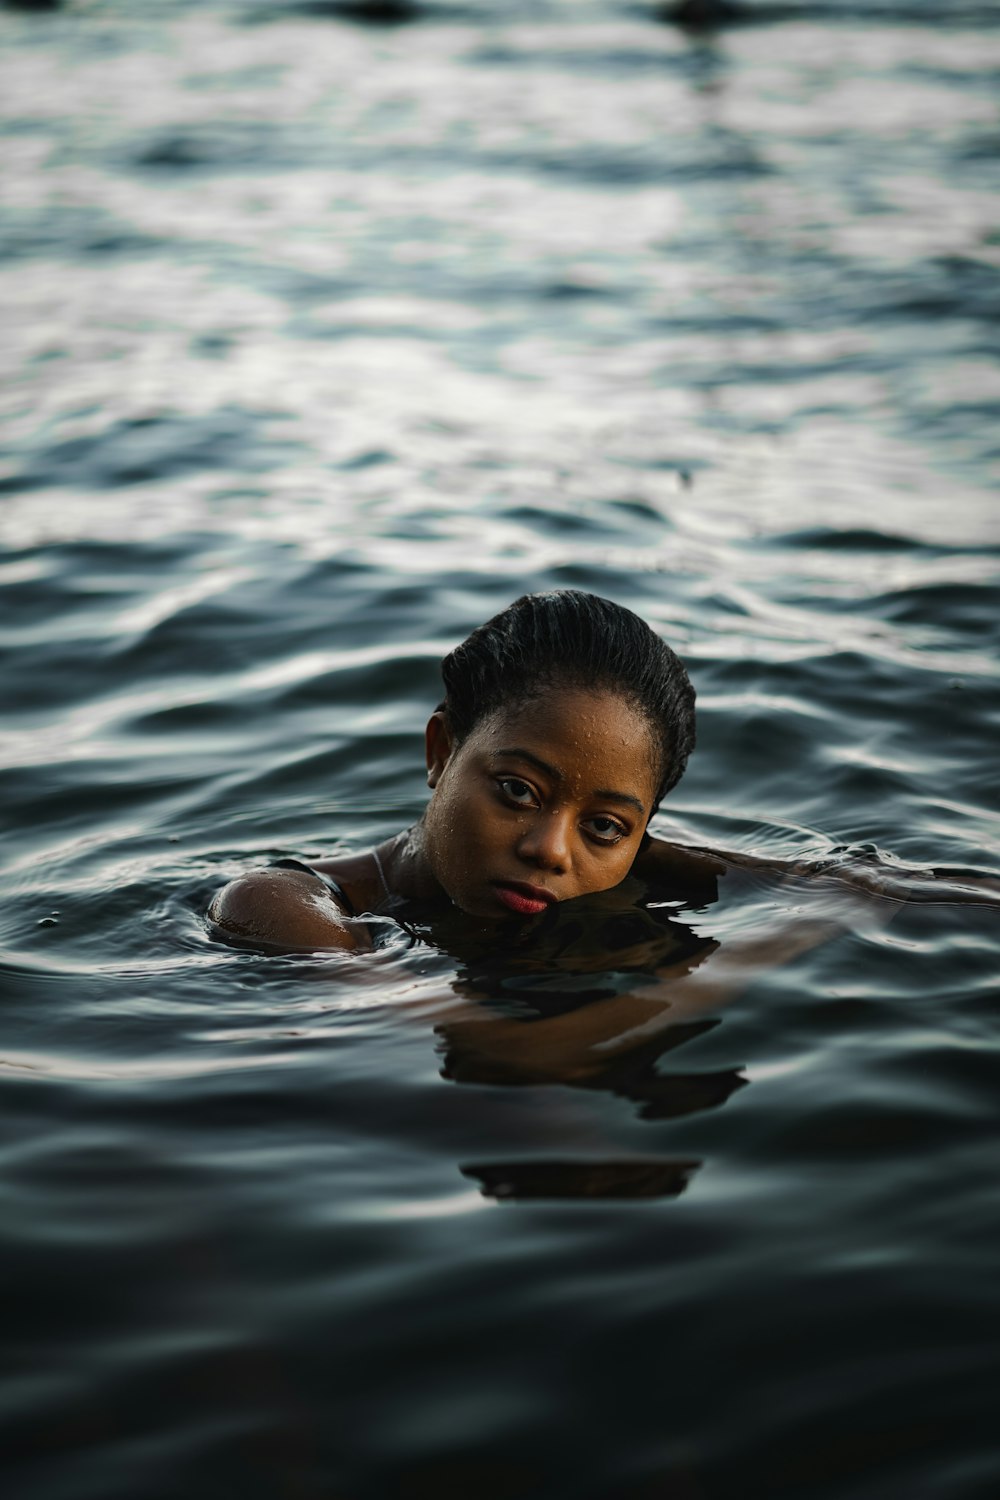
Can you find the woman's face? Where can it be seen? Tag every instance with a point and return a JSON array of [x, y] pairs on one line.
[[539, 803]]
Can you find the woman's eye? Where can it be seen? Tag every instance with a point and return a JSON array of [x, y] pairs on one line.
[[517, 791], [607, 830]]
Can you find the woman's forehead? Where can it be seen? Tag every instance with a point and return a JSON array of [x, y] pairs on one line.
[[582, 734]]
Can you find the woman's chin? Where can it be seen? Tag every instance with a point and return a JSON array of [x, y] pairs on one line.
[[487, 910]]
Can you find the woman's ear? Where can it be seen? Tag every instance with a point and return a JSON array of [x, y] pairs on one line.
[[438, 746]]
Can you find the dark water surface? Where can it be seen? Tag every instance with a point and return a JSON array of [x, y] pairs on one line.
[[322, 339]]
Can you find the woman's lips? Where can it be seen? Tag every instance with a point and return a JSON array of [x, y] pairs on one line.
[[526, 900]]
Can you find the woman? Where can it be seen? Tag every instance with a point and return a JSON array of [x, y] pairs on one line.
[[564, 723]]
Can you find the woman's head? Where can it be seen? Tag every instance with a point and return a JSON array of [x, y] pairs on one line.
[[568, 639]]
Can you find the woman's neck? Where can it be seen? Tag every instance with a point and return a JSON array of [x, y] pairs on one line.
[[404, 868]]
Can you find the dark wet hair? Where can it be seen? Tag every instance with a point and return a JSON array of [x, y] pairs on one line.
[[571, 639]]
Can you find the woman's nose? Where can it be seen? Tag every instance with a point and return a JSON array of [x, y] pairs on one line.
[[546, 843]]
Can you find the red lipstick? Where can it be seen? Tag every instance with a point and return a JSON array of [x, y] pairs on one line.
[[526, 900]]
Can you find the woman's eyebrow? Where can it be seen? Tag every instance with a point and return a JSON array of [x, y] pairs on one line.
[[606, 794], [555, 774], [536, 760]]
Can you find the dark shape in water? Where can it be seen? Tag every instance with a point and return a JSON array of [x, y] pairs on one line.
[[641, 1177], [702, 15], [174, 150], [374, 12], [32, 4], [666, 1096]]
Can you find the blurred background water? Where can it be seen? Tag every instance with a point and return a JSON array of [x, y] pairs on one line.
[[325, 331]]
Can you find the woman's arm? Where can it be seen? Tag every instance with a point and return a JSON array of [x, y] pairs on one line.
[[851, 892], [689, 868]]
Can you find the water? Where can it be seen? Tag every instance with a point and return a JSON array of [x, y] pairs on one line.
[[322, 340]]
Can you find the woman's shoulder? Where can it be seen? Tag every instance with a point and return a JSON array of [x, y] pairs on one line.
[[288, 906], [694, 872]]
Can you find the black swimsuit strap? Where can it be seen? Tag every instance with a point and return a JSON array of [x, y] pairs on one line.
[[336, 891]]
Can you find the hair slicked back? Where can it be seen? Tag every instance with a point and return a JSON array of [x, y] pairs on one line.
[[567, 638]]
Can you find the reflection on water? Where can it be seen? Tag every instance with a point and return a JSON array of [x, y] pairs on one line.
[[328, 329], [569, 1179]]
